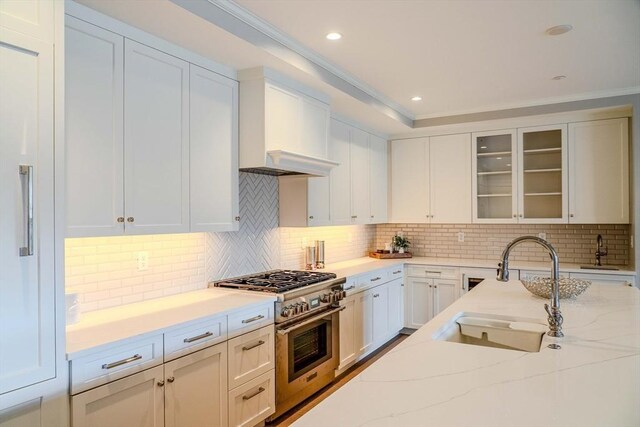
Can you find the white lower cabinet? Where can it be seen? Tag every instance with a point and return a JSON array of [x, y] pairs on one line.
[[196, 389], [369, 319], [253, 401], [429, 291], [137, 400], [250, 355]]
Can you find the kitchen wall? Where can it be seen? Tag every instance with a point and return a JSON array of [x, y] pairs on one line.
[[574, 243]]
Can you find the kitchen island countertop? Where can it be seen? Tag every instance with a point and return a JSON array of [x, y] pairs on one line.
[[593, 380]]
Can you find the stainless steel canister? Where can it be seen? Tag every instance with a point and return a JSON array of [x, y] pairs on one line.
[[319, 253], [310, 258]]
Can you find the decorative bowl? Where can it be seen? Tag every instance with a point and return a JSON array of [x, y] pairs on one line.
[[569, 288]]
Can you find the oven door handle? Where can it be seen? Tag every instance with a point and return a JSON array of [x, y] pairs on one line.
[[285, 331]]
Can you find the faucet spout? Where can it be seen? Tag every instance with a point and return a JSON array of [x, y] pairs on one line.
[[555, 316]]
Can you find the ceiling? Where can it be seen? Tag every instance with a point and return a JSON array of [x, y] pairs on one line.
[[461, 56], [468, 56]]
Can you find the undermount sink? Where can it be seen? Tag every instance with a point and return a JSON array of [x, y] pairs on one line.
[[488, 330], [598, 267]]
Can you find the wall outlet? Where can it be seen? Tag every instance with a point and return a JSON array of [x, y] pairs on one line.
[[461, 237], [143, 261], [543, 236]]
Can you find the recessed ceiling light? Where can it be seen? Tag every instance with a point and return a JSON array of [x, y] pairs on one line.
[[334, 36], [508, 164], [483, 147], [561, 77], [416, 98], [499, 158], [559, 29]]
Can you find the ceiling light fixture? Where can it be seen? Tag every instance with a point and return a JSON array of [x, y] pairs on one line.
[[484, 147], [334, 36], [416, 98], [559, 29], [561, 77]]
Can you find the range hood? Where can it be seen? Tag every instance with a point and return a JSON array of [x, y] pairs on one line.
[[280, 163], [284, 126]]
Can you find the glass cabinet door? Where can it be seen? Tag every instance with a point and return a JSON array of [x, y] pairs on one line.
[[542, 157], [494, 169]]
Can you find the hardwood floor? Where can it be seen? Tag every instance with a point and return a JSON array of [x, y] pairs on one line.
[[294, 414]]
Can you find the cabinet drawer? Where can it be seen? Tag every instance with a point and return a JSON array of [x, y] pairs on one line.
[[251, 355], [605, 279], [250, 320], [394, 273], [374, 278], [433, 272], [115, 362], [194, 336], [252, 402]]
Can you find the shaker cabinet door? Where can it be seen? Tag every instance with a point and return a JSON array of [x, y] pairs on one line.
[[378, 180], [156, 141], [213, 151], [94, 123]]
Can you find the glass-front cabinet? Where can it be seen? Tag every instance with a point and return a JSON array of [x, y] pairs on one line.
[[520, 175], [495, 176], [542, 181]]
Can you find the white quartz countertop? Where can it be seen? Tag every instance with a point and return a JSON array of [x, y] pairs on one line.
[[362, 265], [102, 327], [593, 380]]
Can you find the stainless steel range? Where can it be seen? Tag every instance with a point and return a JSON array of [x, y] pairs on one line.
[[307, 334]]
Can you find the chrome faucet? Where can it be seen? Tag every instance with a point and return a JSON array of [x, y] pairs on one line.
[[600, 251], [555, 317]]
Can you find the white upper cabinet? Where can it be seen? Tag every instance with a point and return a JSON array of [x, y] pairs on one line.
[[33, 18], [94, 130], [450, 179], [542, 174], [284, 125], [410, 180], [304, 201], [340, 178], [27, 273], [520, 176], [156, 136], [378, 180], [152, 141], [599, 172], [213, 151], [494, 172], [359, 158]]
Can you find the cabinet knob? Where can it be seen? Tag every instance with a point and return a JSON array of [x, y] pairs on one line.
[[514, 215], [120, 219], [571, 215], [521, 216], [130, 219], [372, 216], [310, 216], [237, 218], [354, 216], [160, 383], [170, 379]]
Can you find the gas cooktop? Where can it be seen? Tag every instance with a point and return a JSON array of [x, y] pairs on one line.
[[276, 281]]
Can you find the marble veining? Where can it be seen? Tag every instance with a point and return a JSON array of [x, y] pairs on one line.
[[594, 380]]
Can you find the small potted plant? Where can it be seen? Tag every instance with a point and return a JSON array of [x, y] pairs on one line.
[[400, 243]]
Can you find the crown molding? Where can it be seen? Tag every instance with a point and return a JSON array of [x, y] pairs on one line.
[[240, 22]]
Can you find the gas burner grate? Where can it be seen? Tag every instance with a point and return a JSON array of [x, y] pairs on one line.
[[276, 281]]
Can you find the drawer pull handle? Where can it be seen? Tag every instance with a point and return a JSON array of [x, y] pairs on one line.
[[375, 279], [122, 362], [198, 337], [258, 344], [350, 288], [251, 396], [376, 295], [253, 319], [171, 379], [397, 272], [434, 272]]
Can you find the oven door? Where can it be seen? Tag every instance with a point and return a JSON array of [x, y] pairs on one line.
[[307, 356]]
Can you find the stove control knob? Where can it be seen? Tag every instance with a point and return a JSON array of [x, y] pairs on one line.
[[284, 312], [305, 307], [337, 294], [343, 294], [325, 298]]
